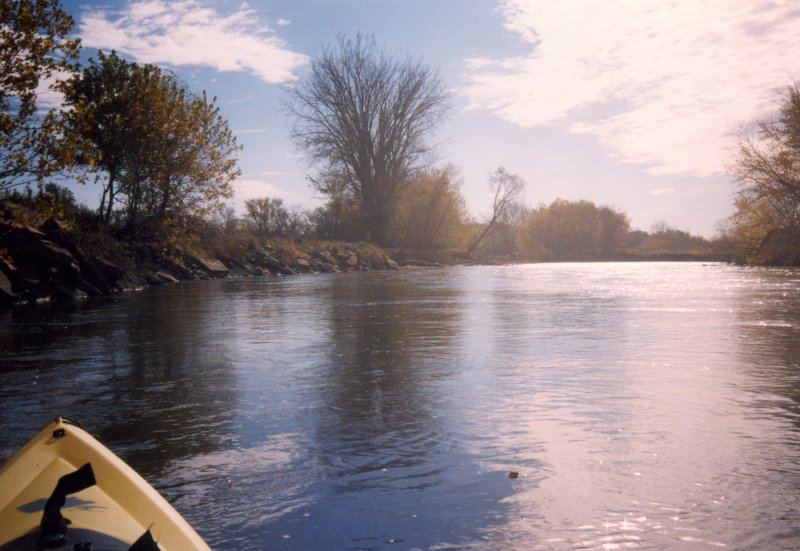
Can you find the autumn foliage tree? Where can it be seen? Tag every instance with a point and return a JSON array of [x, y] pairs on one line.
[[766, 224], [366, 119], [431, 212], [573, 230], [33, 50], [165, 157]]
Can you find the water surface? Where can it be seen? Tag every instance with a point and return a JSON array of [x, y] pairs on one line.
[[644, 406]]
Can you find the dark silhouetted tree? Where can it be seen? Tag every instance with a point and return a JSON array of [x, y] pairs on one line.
[[366, 119]]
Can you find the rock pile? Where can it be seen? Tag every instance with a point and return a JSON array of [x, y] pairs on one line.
[[44, 264]]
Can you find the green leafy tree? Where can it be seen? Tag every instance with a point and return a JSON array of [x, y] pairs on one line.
[[366, 119], [33, 50]]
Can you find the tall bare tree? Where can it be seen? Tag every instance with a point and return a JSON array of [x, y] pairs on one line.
[[506, 189], [366, 118]]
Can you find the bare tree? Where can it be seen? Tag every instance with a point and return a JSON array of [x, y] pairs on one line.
[[507, 188], [267, 215], [366, 119]]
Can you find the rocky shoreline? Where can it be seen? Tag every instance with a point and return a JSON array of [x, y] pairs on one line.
[[45, 264]]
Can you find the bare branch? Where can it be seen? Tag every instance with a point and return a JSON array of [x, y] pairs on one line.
[[368, 117]]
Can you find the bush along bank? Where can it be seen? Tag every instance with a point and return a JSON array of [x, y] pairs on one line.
[[45, 263]]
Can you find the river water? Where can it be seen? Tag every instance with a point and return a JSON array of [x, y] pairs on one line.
[[644, 406]]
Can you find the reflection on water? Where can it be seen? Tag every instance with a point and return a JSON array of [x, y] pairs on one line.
[[645, 406]]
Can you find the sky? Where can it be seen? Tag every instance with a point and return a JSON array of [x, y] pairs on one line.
[[632, 104]]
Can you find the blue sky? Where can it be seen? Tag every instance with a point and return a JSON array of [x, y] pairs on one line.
[[634, 104]]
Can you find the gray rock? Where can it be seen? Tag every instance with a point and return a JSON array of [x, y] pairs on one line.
[[35, 245], [89, 271], [325, 256], [236, 268], [128, 281], [328, 268], [160, 277], [44, 265], [6, 293], [214, 268], [11, 273]]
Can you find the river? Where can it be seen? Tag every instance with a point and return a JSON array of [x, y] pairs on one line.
[[643, 405]]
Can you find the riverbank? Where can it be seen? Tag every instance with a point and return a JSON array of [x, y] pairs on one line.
[[47, 263], [44, 259]]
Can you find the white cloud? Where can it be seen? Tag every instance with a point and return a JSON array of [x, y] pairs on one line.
[[662, 191], [253, 188], [681, 75], [47, 97], [283, 22], [192, 32], [246, 188]]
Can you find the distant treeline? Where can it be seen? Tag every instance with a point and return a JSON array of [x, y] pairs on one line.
[[432, 224], [164, 160]]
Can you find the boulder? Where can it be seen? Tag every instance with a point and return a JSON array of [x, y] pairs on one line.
[[10, 272], [236, 268], [302, 264], [328, 268], [41, 261], [275, 265], [214, 268], [160, 277], [68, 293], [325, 256], [6, 293], [108, 270], [89, 271], [352, 261], [34, 244], [129, 281], [392, 264]]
